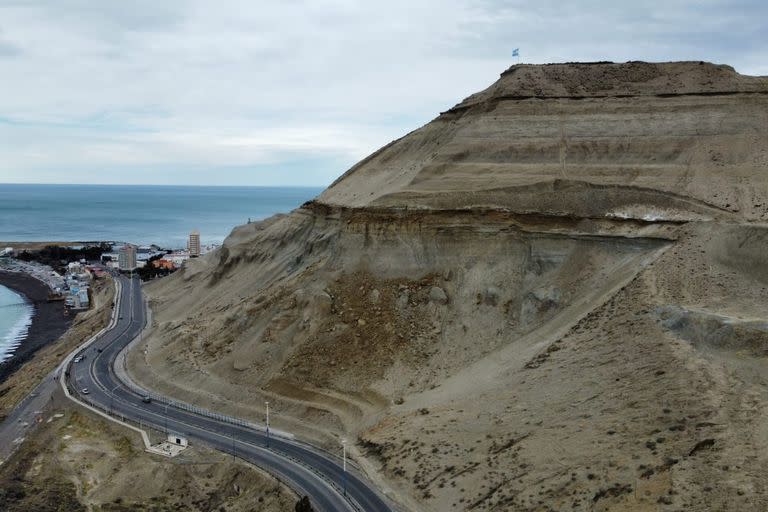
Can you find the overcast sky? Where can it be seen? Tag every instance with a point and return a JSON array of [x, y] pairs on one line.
[[294, 92]]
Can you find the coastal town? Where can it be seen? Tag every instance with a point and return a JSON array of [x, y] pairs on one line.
[[69, 270]]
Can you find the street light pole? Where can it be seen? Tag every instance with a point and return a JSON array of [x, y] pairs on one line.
[[267, 404], [344, 459], [112, 398]]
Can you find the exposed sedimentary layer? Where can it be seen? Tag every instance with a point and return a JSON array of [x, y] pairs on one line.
[[550, 297]]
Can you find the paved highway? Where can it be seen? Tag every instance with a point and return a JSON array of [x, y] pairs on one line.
[[306, 470]]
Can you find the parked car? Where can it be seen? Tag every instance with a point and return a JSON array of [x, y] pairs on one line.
[[78, 359], [85, 391]]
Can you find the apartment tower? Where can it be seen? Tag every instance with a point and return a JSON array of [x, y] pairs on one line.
[[194, 244], [126, 257]]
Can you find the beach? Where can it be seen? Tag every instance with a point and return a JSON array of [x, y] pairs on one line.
[[48, 323]]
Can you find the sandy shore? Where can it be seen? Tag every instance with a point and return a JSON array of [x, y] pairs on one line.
[[48, 323], [35, 246]]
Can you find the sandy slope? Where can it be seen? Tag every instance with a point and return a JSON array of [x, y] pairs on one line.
[[549, 298]]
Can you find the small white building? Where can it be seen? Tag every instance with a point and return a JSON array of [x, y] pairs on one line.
[[178, 440]]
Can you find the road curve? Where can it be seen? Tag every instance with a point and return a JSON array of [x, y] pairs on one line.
[[308, 471]]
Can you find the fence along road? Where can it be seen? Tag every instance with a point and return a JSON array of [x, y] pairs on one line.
[[305, 469]]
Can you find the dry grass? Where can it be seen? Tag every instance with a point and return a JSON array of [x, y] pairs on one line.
[[78, 462]]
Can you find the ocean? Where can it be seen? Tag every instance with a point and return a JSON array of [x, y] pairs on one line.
[[15, 317], [162, 215], [143, 215]]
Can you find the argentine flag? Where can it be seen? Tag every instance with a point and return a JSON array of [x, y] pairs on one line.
[[516, 52]]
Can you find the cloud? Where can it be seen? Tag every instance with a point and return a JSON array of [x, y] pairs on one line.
[[9, 50], [136, 87]]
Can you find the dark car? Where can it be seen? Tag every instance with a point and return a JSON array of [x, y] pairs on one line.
[[146, 399]]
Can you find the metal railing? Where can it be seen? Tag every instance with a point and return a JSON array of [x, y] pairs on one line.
[[122, 375]]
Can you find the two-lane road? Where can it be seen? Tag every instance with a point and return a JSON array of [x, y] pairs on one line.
[[306, 470]]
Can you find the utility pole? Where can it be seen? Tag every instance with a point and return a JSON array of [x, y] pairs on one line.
[[267, 404], [344, 459]]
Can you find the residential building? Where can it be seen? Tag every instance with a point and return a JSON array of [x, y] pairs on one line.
[[126, 257], [177, 258], [194, 244], [109, 256], [82, 298], [164, 264]]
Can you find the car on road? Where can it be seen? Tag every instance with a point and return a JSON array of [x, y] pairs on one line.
[[100, 350], [85, 391], [78, 359], [146, 399]]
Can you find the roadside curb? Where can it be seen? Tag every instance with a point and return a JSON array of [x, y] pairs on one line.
[[65, 364]]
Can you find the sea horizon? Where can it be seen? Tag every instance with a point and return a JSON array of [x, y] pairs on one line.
[[163, 215], [157, 185]]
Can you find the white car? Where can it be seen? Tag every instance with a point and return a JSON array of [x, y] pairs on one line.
[[85, 391], [77, 359]]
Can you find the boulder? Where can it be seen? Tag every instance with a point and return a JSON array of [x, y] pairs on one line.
[[438, 295], [491, 296]]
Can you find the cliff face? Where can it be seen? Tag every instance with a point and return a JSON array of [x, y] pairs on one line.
[[639, 140], [549, 297]]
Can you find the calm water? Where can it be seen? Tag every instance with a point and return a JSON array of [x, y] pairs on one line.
[[15, 317], [137, 214]]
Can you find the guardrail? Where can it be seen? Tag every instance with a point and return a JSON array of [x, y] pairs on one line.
[[122, 375], [120, 367], [121, 371], [189, 407]]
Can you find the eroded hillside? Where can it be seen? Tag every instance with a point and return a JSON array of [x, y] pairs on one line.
[[550, 297]]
